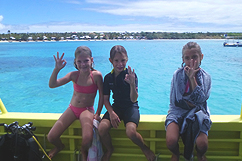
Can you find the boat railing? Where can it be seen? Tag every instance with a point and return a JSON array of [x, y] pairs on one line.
[[225, 136], [2, 107]]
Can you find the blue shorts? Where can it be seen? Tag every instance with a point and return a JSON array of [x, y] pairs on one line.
[[130, 114]]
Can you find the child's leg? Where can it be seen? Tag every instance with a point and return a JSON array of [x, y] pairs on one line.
[[86, 119], [59, 127], [103, 130], [172, 138], [138, 140], [201, 146]]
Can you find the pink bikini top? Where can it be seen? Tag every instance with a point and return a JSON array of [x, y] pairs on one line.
[[85, 89]]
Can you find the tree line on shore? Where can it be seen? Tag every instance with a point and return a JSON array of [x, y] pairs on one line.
[[112, 35]]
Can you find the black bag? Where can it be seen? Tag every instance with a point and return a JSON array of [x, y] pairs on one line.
[[19, 147]]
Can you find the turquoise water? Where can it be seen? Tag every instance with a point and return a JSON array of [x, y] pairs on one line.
[[25, 69]]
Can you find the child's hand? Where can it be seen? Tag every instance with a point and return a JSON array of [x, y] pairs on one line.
[[130, 78], [59, 62], [192, 70], [97, 117], [114, 119]]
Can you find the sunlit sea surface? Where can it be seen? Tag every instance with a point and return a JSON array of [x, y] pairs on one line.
[[25, 68]]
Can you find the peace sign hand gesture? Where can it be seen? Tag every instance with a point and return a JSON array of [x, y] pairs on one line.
[[59, 62]]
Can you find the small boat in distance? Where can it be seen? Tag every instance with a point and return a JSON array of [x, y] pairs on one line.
[[232, 42]]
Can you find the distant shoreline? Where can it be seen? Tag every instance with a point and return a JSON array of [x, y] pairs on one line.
[[5, 41], [68, 40], [113, 36]]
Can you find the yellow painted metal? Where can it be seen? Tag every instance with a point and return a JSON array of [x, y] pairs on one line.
[[225, 137], [41, 147], [241, 111], [2, 107]]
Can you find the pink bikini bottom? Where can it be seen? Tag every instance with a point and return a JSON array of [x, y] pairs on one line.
[[78, 110]]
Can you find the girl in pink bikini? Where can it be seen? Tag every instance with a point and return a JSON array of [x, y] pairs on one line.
[[86, 83]]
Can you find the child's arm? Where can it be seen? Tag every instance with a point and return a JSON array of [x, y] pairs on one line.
[[99, 83], [130, 78], [198, 95], [59, 64], [113, 116]]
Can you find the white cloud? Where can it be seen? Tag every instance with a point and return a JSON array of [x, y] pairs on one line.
[[168, 15], [204, 11]]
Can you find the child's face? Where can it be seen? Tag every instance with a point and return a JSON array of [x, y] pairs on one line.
[[192, 58], [119, 62], [84, 62]]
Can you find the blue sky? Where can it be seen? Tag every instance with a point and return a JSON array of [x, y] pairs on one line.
[[21, 16]]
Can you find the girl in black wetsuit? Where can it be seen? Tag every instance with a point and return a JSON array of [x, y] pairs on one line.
[[124, 85]]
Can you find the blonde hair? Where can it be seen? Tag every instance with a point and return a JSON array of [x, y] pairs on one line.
[[83, 50]]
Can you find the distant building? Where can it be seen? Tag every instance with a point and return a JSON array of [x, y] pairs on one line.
[[87, 37], [45, 37], [74, 37]]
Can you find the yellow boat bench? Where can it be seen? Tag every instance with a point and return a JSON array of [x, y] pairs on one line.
[[225, 137]]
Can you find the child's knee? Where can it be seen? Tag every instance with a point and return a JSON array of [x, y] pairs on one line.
[[102, 129], [202, 143], [131, 134]]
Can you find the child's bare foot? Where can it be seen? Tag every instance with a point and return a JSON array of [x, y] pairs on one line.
[[174, 157], [107, 155], [149, 154], [55, 150], [203, 158]]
